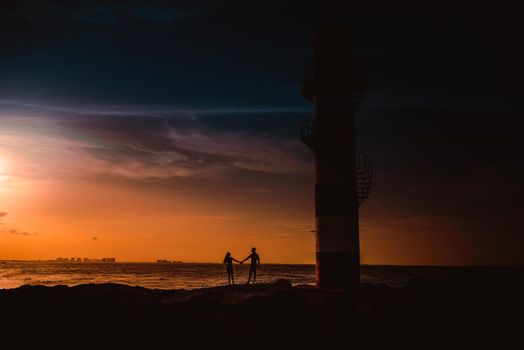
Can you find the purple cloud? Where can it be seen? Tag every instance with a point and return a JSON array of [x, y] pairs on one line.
[[140, 142]]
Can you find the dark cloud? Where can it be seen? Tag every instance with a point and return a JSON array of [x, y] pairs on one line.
[[105, 12], [3, 214], [19, 233], [461, 165]]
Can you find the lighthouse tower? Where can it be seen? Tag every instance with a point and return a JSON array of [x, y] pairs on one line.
[[342, 173]]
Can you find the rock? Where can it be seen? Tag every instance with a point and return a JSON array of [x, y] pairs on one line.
[[282, 283]]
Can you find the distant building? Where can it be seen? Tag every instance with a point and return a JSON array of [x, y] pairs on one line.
[[107, 260]]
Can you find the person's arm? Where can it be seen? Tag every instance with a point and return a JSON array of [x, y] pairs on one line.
[[258, 260], [238, 261], [246, 258]]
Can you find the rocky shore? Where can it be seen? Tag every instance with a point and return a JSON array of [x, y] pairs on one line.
[[440, 314]]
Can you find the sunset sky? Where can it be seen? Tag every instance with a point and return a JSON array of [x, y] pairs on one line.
[[154, 131]]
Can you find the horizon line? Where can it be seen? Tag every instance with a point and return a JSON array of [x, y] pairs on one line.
[[178, 262]]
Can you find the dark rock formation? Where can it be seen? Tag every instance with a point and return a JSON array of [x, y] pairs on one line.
[[120, 315]]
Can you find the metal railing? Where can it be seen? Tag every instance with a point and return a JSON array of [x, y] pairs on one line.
[[363, 166], [364, 176]]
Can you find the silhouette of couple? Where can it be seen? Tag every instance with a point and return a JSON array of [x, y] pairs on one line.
[[255, 265]]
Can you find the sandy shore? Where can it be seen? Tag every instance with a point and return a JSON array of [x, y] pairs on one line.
[[435, 313]]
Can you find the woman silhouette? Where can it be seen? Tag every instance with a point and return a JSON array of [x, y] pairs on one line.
[[228, 261]]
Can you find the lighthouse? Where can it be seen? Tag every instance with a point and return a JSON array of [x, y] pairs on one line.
[[343, 174]]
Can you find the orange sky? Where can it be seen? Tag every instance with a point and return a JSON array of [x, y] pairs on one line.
[[57, 200], [63, 219], [92, 190]]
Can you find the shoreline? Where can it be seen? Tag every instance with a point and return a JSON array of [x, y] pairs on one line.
[[278, 311], [268, 263], [194, 276]]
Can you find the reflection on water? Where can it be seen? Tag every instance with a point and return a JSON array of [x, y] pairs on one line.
[[150, 275], [188, 276]]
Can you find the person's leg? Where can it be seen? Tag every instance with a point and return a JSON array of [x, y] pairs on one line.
[[232, 278], [249, 279], [254, 275]]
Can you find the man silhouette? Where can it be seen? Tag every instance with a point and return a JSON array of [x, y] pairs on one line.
[[255, 264]]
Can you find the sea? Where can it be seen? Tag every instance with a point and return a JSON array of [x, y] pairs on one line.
[[14, 274]]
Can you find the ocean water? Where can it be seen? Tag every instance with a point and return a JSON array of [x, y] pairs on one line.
[[188, 276]]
